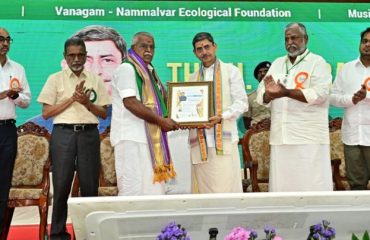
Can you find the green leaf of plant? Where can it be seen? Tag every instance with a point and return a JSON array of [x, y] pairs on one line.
[[366, 236], [354, 237]]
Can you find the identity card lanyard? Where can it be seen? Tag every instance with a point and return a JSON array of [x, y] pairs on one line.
[[287, 71]]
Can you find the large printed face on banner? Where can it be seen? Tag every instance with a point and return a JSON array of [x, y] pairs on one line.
[[105, 48], [103, 57]]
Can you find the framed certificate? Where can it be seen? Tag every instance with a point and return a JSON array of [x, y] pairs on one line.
[[190, 103]]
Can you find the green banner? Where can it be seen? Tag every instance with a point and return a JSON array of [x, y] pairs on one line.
[[184, 11], [246, 33]]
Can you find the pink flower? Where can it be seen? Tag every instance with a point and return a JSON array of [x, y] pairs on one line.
[[238, 233]]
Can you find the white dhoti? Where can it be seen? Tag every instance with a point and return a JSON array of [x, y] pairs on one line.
[[134, 170], [300, 168], [180, 153], [220, 174]]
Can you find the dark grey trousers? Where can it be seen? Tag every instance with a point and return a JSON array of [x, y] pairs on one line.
[[357, 160], [8, 152], [69, 151]]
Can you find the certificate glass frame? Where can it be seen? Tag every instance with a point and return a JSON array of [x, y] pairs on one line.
[[190, 104]]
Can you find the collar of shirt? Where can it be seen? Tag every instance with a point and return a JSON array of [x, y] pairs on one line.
[[208, 68], [358, 63], [208, 72], [150, 67], [299, 57], [72, 75], [7, 62]]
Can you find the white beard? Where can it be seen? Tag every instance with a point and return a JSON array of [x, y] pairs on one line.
[[77, 69], [297, 52]]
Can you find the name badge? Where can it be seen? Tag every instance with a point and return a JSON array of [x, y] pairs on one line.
[[14, 83], [93, 94], [299, 79], [367, 83]]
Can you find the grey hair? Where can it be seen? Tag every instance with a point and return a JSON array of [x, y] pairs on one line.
[[135, 38], [4, 29], [101, 33], [300, 26], [74, 41]]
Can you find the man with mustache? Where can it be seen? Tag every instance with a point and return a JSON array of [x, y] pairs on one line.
[[257, 112], [75, 98], [139, 123], [296, 88], [350, 92], [214, 147], [14, 91], [106, 49]]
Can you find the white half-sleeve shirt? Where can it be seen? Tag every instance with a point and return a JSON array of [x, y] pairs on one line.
[[125, 125]]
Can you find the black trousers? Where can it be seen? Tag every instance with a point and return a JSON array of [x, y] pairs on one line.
[[72, 150], [8, 152]]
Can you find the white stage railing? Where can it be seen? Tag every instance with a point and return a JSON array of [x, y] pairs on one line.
[[290, 213]]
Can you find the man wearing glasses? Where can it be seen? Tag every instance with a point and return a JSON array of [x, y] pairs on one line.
[[75, 98], [14, 91]]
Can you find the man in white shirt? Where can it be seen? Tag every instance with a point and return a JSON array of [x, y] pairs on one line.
[[350, 92], [139, 123], [14, 91], [214, 149], [296, 88]]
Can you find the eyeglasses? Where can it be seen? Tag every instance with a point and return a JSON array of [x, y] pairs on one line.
[[7, 39], [365, 41], [78, 55]]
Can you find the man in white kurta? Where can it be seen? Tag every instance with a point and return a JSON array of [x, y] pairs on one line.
[[218, 173], [296, 88], [350, 91], [133, 161]]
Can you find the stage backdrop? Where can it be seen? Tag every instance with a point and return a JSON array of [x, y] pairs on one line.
[[246, 33]]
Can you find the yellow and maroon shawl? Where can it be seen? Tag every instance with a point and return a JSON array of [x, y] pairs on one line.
[[217, 94], [152, 98]]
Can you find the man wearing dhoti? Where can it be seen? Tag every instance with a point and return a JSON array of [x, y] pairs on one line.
[[296, 88]]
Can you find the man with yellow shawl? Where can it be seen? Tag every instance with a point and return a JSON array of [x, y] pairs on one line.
[[139, 123], [214, 149]]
